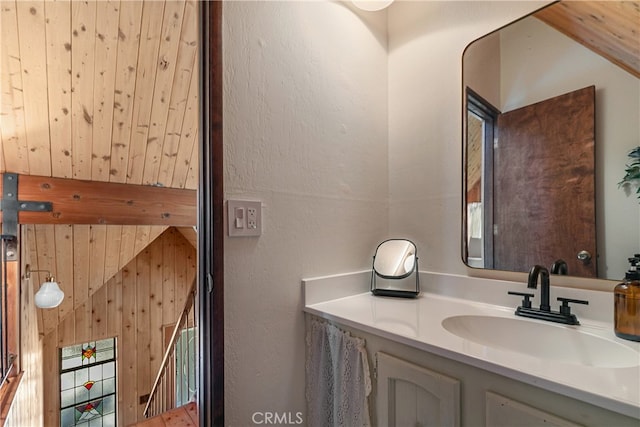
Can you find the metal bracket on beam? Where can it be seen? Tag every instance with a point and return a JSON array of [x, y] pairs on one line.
[[10, 205], [10, 247]]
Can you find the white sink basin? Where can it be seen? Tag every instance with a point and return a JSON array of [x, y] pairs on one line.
[[551, 341]]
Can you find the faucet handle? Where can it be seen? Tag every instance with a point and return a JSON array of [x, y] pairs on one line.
[[565, 309], [526, 302]]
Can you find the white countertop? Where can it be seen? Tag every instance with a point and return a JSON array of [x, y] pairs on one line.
[[418, 323]]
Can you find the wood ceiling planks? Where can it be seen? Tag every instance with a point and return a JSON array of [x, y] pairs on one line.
[[609, 28], [100, 90], [12, 128], [33, 65], [146, 80], [185, 88], [186, 146], [162, 92], [105, 76], [124, 92], [83, 41], [59, 95]]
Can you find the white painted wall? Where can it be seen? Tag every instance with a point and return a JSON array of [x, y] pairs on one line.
[[305, 132]]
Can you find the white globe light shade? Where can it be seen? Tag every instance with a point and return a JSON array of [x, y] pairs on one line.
[[49, 296]]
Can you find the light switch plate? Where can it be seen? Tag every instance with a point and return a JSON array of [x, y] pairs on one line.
[[244, 218]]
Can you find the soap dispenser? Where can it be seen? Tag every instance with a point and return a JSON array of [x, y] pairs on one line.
[[627, 303]]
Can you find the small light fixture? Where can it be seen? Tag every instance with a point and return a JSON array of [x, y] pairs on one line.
[[49, 295], [372, 5]]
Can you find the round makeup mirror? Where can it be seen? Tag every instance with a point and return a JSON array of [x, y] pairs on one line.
[[394, 260]]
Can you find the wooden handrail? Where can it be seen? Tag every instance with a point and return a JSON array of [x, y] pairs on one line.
[[172, 343]]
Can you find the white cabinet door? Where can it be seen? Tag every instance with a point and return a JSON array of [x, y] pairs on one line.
[[410, 395], [502, 411]]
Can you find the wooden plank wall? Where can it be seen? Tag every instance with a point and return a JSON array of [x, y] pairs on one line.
[[190, 234], [82, 258], [134, 306], [23, 411]]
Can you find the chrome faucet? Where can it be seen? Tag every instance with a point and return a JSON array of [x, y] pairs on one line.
[[538, 270]]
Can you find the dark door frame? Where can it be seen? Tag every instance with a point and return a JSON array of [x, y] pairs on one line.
[[210, 221], [489, 115]]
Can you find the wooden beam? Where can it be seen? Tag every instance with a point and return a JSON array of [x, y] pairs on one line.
[[91, 202]]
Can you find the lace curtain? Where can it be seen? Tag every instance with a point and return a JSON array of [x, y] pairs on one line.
[[338, 382]]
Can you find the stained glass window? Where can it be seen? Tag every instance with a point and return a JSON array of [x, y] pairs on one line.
[[88, 384]]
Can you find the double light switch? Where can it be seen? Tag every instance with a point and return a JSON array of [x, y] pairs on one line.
[[244, 218]]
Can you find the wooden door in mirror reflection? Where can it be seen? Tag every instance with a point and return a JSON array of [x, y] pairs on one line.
[[544, 184]]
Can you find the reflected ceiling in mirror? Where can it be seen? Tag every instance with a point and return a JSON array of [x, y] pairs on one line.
[[561, 49]]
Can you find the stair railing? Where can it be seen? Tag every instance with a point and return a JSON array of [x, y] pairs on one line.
[[163, 394]]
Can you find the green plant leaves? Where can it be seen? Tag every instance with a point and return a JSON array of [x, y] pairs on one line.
[[632, 171]]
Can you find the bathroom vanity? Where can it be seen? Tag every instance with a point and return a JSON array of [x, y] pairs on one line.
[[457, 354]]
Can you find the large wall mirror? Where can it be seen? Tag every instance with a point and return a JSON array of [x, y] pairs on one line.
[[552, 110]]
